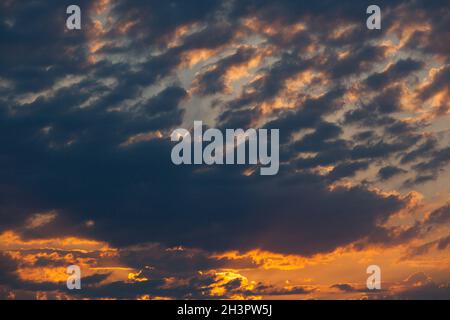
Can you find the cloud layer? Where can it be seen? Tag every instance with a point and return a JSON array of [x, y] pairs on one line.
[[85, 119]]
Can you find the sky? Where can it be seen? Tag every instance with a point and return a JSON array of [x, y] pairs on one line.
[[86, 176]]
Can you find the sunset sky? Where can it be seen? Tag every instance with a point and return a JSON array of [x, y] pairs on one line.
[[86, 176]]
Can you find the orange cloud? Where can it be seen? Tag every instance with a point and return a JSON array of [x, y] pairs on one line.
[[10, 240], [192, 57], [40, 219]]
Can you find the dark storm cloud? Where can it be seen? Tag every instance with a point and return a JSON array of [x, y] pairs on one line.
[[7, 270], [319, 139], [397, 235], [344, 287], [397, 71], [443, 243], [197, 286], [439, 19], [271, 83], [100, 173], [193, 289], [10, 280], [153, 25], [439, 216], [423, 150], [419, 179], [154, 20], [388, 101], [372, 114], [60, 139], [35, 49], [164, 106], [324, 140], [161, 200], [364, 136], [402, 128], [176, 261], [400, 139], [307, 115], [270, 290], [347, 155], [348, 288], [212, 81], [291, 11], [79, 168], [380, 149], [238, 118], [357, 61], [440, 82], [418, 286], [347, 169], [388, 172], [439, 159], [63, 151], [439, 244], [430, 291], [376, 112]]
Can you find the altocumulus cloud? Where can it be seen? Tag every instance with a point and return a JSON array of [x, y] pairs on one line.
[[85, 119]]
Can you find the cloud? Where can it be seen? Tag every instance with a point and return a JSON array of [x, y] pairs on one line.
[[419, 286], [388, 172], [347, 288], [395, 72], [40, 219], [85, 119], [439, 244], [213, 80]]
